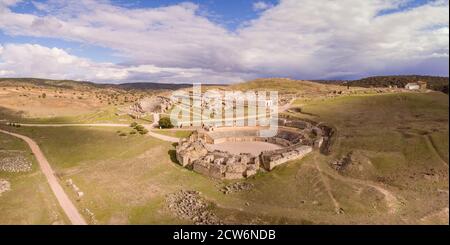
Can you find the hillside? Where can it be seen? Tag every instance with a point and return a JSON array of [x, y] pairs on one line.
[[80, 85], [433, 82], [285, 85], [64, 84]]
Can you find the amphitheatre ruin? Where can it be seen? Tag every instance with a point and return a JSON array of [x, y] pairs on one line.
[[240, 152]]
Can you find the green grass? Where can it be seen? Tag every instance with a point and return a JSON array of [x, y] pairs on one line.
[[174, 133], [125, 180], [71, 146], [30, 200], [104, 115], [388, 124], [440, 140]]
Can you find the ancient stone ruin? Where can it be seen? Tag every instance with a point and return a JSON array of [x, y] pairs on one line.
[[14, 162], [296, 138], [145, 106], [191, 206], [193, 154]]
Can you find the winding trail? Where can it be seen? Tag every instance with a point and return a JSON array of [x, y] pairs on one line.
[[337, 207], [391, 200], [64, 201]]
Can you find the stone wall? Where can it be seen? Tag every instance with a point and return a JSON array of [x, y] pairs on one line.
[[297, 137], [317, 135], [224, 165], [271, 159], [189, 150], [193, 154]]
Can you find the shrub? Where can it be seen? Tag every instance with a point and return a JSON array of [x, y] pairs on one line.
[[139, 127], [143, 131], [122, 134], [165, 122], [133, 132], [133, 124]]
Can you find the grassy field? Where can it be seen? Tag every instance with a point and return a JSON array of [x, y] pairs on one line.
[[398, 142], [30, 200], [174, 133], [103, 115], [402, 137]]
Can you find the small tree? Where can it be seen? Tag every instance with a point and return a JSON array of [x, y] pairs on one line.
[[165, 122], [143, 131], [133, 124], [44, 95]]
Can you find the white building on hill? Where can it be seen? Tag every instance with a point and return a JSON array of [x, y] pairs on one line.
[[412, 86]]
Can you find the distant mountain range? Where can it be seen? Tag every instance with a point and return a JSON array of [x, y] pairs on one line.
[[433, 82], [85, 84]]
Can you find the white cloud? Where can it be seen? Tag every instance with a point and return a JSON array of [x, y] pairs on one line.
[[31, 60], [260, 5], [296, 38], [9, 2]]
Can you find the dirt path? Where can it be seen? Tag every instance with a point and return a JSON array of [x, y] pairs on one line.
[[337, 207], [155, 119], [286, 106], [66, 204], [161, 136], [391, 200]]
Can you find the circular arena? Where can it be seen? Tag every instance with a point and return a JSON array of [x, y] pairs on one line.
[[240, 152]]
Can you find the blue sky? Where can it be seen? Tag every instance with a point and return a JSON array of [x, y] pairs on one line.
[[221, 41], [229, 13]]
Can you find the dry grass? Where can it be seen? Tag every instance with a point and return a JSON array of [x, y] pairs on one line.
[[30, 200]]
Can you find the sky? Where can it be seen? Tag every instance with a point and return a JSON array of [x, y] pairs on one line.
[[222, 41]]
